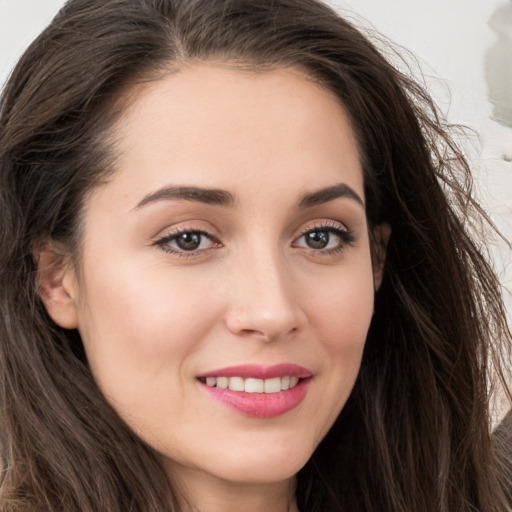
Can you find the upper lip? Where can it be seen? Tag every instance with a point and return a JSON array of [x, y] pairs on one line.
[[256, 371]]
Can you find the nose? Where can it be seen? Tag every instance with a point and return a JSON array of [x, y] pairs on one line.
[[263, 303]]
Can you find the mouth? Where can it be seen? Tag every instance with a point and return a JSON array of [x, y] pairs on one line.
[[252, 385], [258, 391]]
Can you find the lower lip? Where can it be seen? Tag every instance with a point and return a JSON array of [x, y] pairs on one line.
[[260, 405]]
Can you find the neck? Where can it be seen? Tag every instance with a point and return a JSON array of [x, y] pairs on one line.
[[201, 492]]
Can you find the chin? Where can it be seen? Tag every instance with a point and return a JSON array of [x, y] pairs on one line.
[[264, 460], [264, 473], [263, 463]]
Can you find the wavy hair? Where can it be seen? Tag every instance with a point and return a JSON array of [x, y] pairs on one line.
[[415, 433]]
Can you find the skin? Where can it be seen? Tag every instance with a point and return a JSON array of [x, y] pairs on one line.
[[153, 316]]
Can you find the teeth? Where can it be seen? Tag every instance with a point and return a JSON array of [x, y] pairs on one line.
[[222, 382], [253, 386], [236, 384], [272, 385], [250, 385]]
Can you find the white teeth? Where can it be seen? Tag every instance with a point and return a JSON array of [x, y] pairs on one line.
[[222, 382], [272, 385], [236, 384], [250, 385], [253, 386]]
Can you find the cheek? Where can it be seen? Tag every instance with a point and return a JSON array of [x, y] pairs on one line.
[[341, 313], [344, 307], [139, 326]]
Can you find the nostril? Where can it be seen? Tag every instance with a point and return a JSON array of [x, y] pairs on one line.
[[255, 333], [267, 336], [264, 321]]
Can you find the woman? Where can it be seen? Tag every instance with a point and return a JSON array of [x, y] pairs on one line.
[[236, 271]]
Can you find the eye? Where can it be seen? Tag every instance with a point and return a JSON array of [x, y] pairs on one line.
[[325, 238], [186, 242]]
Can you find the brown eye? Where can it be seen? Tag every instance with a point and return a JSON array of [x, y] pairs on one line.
[[317, 239], [325, 238], [188, 241]]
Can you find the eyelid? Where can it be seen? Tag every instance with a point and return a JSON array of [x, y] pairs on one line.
[[185, 226], [345, 234], [325, 224], [173, 233]]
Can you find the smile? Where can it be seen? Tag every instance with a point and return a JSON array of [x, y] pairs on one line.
[[251, 385], [258, 391]]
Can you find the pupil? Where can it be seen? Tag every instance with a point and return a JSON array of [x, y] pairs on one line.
[[318, 239], [189, 241]]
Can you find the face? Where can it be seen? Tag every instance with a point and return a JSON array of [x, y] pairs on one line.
[[226, 285]]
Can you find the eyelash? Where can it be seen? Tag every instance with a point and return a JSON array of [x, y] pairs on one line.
[[182, 253], [345, 236]]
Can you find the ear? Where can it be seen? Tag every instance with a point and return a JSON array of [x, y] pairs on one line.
[[57, 285], [381, 235]]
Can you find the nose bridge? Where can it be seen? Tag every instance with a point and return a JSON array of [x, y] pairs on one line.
[[262, 301]]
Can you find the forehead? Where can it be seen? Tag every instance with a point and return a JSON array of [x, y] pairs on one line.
[[209, 125]]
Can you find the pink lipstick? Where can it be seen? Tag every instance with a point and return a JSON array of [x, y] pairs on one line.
[[258, 391]]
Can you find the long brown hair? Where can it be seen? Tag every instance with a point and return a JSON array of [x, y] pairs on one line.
[[415, 433]]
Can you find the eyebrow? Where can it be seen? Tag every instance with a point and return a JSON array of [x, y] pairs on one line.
[[327, 194], [196, 194], [219, 197]]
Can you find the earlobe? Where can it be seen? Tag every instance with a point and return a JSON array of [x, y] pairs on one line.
[[381, 236], [57, 287]]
